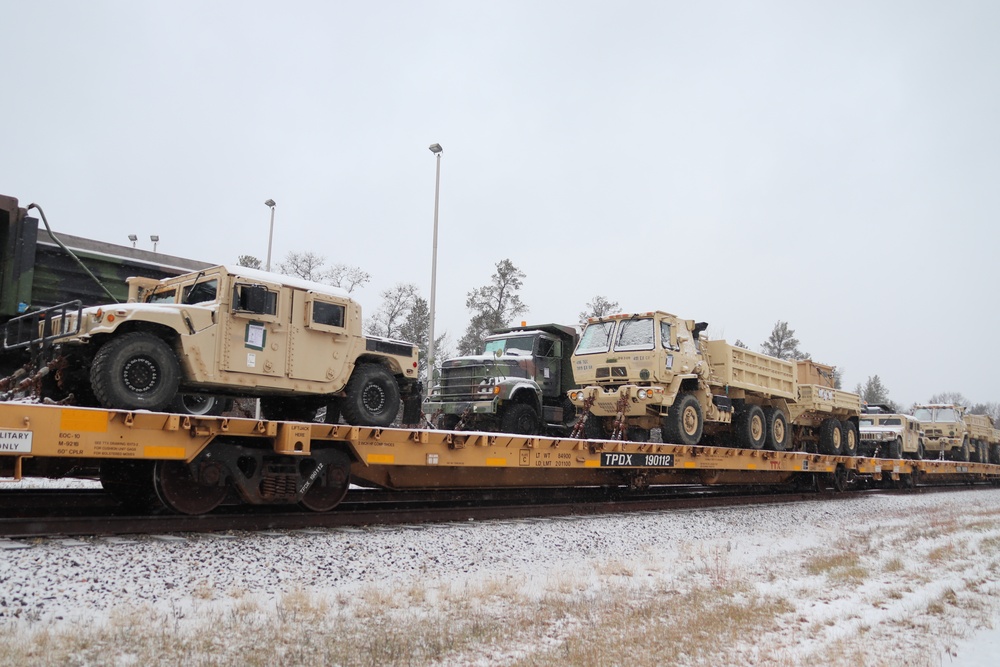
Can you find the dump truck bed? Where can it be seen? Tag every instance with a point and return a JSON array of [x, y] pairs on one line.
[[751, 371]]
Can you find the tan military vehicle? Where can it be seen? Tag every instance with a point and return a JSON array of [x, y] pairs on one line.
[[654, 370], [953, 434], [234, 331], [887, 434]]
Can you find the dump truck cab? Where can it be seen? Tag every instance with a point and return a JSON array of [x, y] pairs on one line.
[[517, 384]]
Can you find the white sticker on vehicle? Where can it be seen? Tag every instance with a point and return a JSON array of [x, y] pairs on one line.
[[15, 441], [251, 360]]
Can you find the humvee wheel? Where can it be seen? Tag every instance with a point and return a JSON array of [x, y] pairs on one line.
[[200, 405], [777, 429], [330, 486], [830, 438], [751, 427], [896, 449], [849, 439], [372, 397], [519, 419], [683, 424], [136, 371], [181, 492]]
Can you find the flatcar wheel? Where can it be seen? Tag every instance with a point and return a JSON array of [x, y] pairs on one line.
[[329, 488], [838, 478], [179, 491], [130, 483]]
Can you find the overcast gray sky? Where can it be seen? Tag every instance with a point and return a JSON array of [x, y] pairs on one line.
[[835, 165]]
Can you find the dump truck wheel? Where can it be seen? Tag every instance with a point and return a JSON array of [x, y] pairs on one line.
[[372, 397], [751, 427], [519, 419], [448, 422], [777, 437], [994, 453], [849, 439], [683, 424], [962, 454], [830, 438], [593, 428], [136, 371]]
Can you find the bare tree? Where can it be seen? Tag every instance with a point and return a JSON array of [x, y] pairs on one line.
[[991, 410], [782, 343], [492, 306], [952, 397], [599, 307], [305, 265], [347, 277], [397, 302], [740, 343]]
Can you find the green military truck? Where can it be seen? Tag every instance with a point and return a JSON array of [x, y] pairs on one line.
[[517, 385]]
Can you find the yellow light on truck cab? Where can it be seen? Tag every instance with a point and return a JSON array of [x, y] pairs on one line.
[[111, 318], [496, 389]]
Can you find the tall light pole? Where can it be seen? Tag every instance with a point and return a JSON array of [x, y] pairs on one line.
[[270, 234], [437, 150]]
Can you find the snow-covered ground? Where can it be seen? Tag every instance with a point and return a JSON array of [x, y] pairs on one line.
[[901, 579]]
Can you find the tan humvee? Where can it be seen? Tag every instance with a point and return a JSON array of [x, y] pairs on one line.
[[887, 434], [953, 434], [649, 370], [236, 331]]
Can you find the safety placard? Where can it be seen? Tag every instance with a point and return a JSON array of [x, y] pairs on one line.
[[18, 442]]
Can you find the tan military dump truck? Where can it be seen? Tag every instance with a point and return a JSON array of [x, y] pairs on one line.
[[953, 434], [227, 330], [652, 370]]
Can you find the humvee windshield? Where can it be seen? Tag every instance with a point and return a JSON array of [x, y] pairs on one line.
[[201, 292], [162, 296]]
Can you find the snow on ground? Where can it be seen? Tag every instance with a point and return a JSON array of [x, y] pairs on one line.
[[893, 579]]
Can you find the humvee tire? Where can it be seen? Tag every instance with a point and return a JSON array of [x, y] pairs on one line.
[[135, 371], [372, 397]]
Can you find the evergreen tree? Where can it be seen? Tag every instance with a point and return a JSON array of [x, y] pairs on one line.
[[782, 343], [492, 306]]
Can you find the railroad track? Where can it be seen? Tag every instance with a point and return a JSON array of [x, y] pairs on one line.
[[92, 512]]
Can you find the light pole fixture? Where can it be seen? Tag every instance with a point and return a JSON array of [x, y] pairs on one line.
[[133, 238], [270, 234], [155, 239], [437, 150]]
